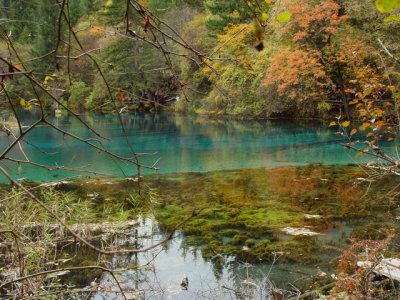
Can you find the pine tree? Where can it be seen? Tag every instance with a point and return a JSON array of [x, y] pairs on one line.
[[224, 12], [46, 32], [20, 16], [77, 9]]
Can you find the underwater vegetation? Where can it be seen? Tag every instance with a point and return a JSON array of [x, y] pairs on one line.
[[241, 213]]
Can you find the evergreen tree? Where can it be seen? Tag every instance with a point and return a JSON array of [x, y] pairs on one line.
[[20, 15], [46, 30], [224, 12], [78, 8]]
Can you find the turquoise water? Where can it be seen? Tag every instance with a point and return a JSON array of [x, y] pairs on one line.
[[184, 144], [178, 143]]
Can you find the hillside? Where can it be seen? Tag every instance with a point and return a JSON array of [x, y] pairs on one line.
[[302, 58]]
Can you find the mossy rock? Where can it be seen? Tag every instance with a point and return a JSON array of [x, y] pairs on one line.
[[229, 232], [239, 239], [250, 243], [372, 231]]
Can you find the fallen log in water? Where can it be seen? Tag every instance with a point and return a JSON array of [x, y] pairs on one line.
[[314, 293], [81, 228], [388, 267], [129, 294], [33, 234]]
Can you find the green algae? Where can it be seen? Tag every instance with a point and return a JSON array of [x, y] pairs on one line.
[[242, 213]]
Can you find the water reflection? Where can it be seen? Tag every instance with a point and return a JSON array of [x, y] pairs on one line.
[[182, 143], [161, 271], [244, 208]]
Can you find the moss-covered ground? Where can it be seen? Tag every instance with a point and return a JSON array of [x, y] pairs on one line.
[[242, 213]]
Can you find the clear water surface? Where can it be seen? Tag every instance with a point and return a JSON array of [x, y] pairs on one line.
[[178, 143], [181, 144]]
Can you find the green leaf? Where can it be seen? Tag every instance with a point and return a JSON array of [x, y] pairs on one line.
[[392, 18], [285, 16], [387, 5]]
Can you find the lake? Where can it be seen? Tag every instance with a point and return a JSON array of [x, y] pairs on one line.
[[178, 143], [251, 178]]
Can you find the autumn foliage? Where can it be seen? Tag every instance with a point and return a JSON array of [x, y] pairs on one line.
[[326, 61], [298, 69], [355, 282], [314, 23], [297, 74]]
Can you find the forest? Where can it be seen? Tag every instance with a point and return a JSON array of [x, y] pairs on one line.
[[228, 57], [199, 149]]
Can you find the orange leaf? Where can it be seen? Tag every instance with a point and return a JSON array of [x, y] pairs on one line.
[[359, 154]]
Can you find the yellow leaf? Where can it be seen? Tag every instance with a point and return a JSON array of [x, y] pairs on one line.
[[359, 154], [378, 112], [353, 132], [390, 139], [333, 123], [380, 124], [355, 101], [47, 78], [346, 124], [364, 126], [385, 6], [264, 17], [391, 18], [367, 92], [362, 113], [284, 17], [25, 104], [369, 134]]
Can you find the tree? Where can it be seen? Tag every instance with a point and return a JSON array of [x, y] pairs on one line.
[[324, 59], [78, 8], [21, 19], [298, 76], [223, 13]]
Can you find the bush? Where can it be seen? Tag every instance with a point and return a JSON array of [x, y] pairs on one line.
[[79, 92]]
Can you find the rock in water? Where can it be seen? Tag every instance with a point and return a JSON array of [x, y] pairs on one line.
[[185, 283]]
